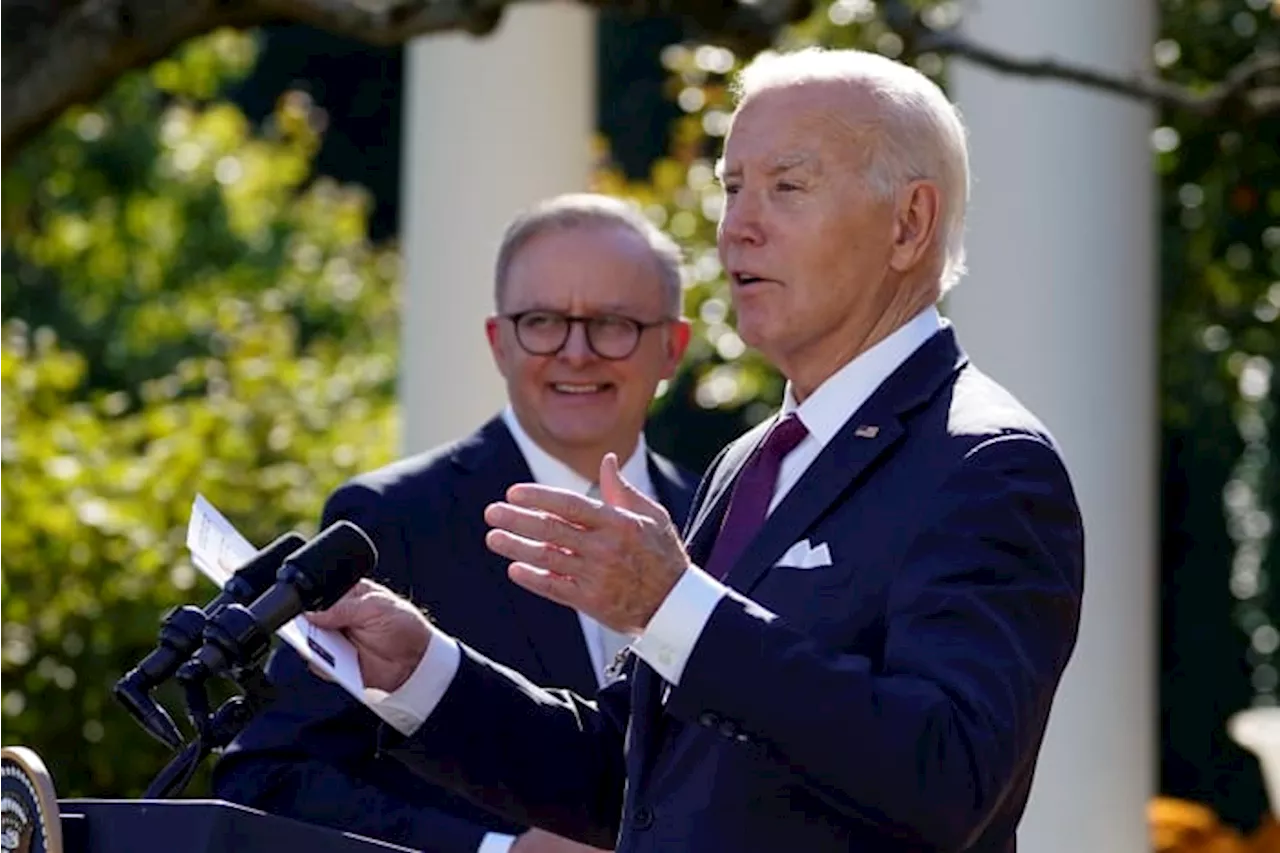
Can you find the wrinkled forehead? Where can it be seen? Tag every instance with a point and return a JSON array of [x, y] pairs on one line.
[[814, 125]]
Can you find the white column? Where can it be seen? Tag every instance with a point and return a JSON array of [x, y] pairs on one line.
[[492, 125], [1060, 305]]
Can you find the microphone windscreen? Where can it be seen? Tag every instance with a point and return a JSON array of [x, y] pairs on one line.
[[259, 572], [331, 563]]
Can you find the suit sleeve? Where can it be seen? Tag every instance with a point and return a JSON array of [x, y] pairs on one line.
[[311, 755], [981, 619], [539, 757]]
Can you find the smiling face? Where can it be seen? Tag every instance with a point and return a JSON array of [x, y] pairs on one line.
[[576, 405], [819, 264]]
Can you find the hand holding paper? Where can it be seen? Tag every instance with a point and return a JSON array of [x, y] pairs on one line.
[[217, 549], [389, 634]]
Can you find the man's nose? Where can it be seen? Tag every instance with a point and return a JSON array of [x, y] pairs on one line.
[[741, 220], [576, 347]]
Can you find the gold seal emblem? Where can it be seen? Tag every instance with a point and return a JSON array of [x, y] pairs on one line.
[[29, 817]]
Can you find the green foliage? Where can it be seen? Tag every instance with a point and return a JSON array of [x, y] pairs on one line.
[[1220, 205], [185, 310]]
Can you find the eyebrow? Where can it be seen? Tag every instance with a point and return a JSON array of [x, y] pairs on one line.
[[777, 166], [615, 308]]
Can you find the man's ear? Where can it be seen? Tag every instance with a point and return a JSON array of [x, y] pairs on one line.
[[917, 217], [679, 334], [497, 347]]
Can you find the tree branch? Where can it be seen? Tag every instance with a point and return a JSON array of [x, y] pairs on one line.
[[63, 52], [1244, 85]]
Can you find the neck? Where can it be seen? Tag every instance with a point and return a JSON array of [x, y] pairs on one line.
[[810, 368]]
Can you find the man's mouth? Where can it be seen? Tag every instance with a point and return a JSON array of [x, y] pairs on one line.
[[581, 389], [741, 278]]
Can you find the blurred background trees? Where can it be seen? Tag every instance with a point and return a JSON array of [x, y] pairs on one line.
[[199, 294], [187, 308]]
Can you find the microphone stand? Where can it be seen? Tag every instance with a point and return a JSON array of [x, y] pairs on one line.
[[213, 731], [237, 637]]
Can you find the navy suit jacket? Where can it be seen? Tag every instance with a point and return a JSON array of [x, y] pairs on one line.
[[308, 755], [894, 701]]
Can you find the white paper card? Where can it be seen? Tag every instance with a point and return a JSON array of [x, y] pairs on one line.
[[217, 549]]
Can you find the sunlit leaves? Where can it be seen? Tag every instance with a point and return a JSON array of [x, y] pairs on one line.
[[201, 67], [185, 310]]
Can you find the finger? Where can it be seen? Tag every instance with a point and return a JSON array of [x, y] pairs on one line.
[[571, 506], [557, 588], [536, 526], [538, 554], [343, 611], [616, 491]]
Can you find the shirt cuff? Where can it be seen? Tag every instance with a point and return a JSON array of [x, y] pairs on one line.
[[496, 842], [674, 629], [409, 706]]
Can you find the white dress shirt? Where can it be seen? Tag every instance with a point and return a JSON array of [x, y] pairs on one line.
[[672, 633]]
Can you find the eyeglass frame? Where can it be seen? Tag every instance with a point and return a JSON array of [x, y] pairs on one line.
[[570, 320]]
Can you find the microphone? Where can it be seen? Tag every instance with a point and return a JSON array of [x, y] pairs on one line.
[[312, 578], [180, 635]]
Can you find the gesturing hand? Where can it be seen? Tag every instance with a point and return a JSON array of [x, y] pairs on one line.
[[615, 560], [388, 632]]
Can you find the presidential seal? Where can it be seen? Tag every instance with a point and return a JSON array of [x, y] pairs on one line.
[[29, 818]]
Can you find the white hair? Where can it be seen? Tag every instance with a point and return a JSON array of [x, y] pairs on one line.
[[921, 133]]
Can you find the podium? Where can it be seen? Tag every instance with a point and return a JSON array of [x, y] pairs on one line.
[[33, 820], [197, 826]]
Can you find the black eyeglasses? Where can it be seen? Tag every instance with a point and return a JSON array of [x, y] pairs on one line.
[[610, 336]]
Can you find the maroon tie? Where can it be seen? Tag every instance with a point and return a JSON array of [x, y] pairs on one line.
[[752, 493]]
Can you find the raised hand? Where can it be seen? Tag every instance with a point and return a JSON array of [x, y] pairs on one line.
[[615, 559]]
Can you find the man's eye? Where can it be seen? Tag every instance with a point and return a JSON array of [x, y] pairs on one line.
[[786, 187], [730, 189]]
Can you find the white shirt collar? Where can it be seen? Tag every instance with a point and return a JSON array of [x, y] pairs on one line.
[[827, 409], [550, 471]]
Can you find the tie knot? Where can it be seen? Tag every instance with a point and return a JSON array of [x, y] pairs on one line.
[[784, 437]]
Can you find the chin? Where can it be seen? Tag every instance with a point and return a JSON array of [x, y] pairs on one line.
[[577, 439], [752, 333]]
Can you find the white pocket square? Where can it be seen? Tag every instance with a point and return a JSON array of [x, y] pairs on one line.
[[802, 555]]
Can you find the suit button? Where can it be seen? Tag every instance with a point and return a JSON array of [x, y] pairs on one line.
[[709, 720], [643, 818]]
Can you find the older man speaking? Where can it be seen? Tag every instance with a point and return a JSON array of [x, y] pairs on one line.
[[857, 642]]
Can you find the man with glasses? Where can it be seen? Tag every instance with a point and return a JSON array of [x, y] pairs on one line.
[[587, 324]]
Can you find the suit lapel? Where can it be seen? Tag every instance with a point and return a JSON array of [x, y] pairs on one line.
[[838, 468], [864, 439], [670, 487], [488, 463]]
